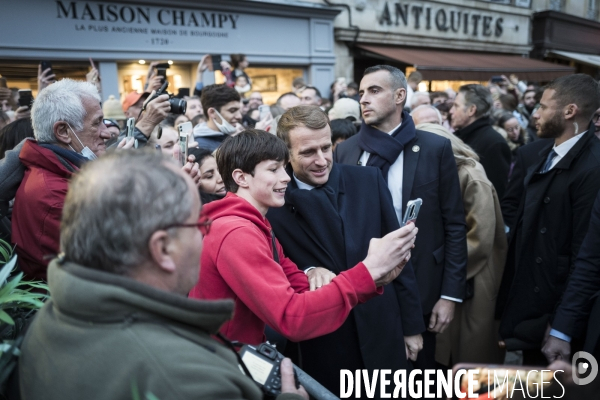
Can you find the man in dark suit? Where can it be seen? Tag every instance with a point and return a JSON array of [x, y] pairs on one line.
[[574, 310], [331, 213], [415, 164], [553, 216], [470, 117]]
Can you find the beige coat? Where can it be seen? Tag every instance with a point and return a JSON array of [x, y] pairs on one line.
[[473, 334]]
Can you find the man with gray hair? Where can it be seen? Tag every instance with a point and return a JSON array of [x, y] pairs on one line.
[[119, 322], [426, 114], [419, 99], [69, 130], [470, 117], [415, 164]]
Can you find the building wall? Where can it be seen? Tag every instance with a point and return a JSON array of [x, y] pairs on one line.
[[580, 8]]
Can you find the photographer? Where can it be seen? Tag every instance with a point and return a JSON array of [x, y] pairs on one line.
[[118, 321]]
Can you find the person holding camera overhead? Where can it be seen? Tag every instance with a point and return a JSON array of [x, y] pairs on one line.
[[242, 260]]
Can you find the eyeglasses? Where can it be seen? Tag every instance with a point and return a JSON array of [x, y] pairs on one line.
[[514, 128], [203, 225]]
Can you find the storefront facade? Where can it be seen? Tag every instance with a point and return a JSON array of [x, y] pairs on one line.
[[444, 40], [280, 39]]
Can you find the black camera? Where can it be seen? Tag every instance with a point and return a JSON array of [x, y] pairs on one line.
[[263, 362], [178, 106]]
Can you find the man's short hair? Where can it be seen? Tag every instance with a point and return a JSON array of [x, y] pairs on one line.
[[415, 76], [342, 129], [398, 80], [245, 151], [108, 217], [432, 107], [278, 102], [311, 117], [435, 95], [480, 96], [216, 96], [61, 101], [317, 93], [415, 98], [580, 89]]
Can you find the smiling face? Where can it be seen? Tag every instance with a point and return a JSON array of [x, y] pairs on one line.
[[231, 112], [266, 185], [94, 132], [380, 104], [210, 179], [311, 154]]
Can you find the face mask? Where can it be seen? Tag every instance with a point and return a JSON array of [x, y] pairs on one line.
[[225, 127], [86, 152]]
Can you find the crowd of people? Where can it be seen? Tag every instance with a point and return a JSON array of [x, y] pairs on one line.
[[286, 223]]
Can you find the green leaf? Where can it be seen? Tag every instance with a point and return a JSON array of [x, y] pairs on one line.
[[6, 318], [5, 271]]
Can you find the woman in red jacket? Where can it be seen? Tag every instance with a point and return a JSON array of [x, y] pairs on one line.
[[241, 259]]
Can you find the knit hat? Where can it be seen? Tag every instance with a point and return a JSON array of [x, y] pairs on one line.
[[112, 108], [344, 108]]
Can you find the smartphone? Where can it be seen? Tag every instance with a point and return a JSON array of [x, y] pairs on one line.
[[3, 82], [264, 111], [130, 130], [183, 145], [497, 79], [412, 211], [216, 62], [46, 65], [25, 98], [161, 70]]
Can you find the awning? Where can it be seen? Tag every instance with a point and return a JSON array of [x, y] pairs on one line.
[[446, 65], [589, 59]]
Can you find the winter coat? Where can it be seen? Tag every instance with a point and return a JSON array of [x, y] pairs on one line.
[[207, 138], [38, 208], [238, 263], [494, 154], [472, 336], [103, 337]]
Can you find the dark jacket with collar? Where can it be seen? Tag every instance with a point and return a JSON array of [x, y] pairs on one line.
[[101, 335], [584, 285], [551, 222], [440, 254], [492, 149], [373, 335]]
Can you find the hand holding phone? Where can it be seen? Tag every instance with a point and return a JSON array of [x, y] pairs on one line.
[[412, 211], [185, 129], [130, 131]]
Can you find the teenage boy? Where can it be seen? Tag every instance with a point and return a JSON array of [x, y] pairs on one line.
[[243, 261]]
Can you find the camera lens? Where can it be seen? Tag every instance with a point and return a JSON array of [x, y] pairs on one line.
[[178, 106]]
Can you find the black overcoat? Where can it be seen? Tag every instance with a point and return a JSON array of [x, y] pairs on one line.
[[373, 335], [440, 254], [551, 224]]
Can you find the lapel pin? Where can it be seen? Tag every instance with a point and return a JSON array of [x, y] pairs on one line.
[[416, 148]]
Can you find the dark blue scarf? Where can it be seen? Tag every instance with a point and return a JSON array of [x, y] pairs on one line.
[[385, 148], [74, 158]]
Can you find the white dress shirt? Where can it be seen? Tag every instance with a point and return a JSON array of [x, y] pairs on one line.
[[395, 180], [302, 185], [562, 149]]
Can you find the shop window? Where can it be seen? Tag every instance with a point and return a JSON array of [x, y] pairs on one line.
[[132, 77], [270, 82], [556, 5], [592, 10]]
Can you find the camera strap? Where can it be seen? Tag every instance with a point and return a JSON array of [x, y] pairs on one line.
[[232, 346]]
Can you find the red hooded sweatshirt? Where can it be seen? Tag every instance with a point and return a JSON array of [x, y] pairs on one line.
[[38, 209], [237, 263]]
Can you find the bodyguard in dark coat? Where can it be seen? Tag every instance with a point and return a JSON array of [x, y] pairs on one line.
[[470, 119], [415, 164], [582, 291], [554, 214], [328, 220]]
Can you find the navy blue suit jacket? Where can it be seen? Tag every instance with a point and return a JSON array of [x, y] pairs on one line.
[[375, 330], [440, 254]]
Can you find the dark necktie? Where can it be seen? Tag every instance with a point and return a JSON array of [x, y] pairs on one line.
[[548, 163]]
